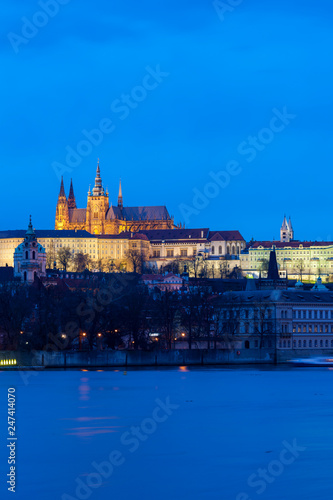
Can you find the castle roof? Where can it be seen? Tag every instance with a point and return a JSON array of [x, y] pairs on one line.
[[77, 215], [225, 236], [290, 244], [138, 213], [188, 235], [47, 233]]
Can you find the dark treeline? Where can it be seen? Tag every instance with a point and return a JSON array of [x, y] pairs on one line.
[[116, 312]]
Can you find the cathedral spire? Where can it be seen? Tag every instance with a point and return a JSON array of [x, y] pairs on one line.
[[120, 196], [62, 220], [98, 189], [71, 197], [62, 189]]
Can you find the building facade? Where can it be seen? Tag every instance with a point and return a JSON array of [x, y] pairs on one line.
[[158, 248], [287, 319], [300, 260], [99, 217]]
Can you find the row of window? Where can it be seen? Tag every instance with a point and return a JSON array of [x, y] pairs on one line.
[[312, 328], [304, 344], [313, 314], [308, 314]]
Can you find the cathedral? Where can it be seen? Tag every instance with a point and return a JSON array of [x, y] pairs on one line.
[[102, 218]]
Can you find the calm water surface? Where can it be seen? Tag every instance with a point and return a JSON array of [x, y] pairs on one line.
[[233, 433]]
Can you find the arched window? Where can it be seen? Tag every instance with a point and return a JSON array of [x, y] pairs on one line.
[[25, 276], [33, 255], [26, 255], [228, 249], [247, 344], [213, 250], [220, 249], [233, 251]]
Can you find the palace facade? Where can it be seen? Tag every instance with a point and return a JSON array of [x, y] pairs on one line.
[[300, 260], [99, 217]]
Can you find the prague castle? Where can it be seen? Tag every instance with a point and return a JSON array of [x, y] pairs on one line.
[[102, 218]]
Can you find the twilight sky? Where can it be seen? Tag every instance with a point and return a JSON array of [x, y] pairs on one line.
[[224, 117]]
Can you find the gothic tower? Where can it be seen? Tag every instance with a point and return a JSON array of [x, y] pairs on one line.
[[286, 231], [62, 216], [120, 196], [29, 257], [71, 197], [97, 206]]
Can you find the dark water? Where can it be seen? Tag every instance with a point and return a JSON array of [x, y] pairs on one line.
[[208, 433]]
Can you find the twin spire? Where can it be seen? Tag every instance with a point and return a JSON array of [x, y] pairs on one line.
[[71, 198]]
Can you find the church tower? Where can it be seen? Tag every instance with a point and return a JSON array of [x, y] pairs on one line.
[[286, 231], [120, 196], [71, 197], [62, 216], [97, 206], [29, 258]]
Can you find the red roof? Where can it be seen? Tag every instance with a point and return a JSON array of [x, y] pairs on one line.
[[290, 244], [225, 236]]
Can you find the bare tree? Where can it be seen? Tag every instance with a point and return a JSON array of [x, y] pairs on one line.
[[263, 320], [51, 255], [223, 269], [64, 257], [136, 259], [299, 268], [81, 262]]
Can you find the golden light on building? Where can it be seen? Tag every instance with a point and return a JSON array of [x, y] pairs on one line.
[[6, 362]]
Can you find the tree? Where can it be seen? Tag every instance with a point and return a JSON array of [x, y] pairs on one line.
[[299, 268], [110, 265], [64, 257], [166, 307], [134, 314], [190, 304], [223, 268], [16, 308], [81, 262], [99, 264], [263, 320], [136, 260], [264, 264], [50, 256], [194, 265]]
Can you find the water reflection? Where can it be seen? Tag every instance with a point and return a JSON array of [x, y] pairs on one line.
[[91, 431], [84, 389]]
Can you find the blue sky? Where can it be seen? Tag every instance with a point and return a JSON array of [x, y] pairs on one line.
[[222, 79]]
